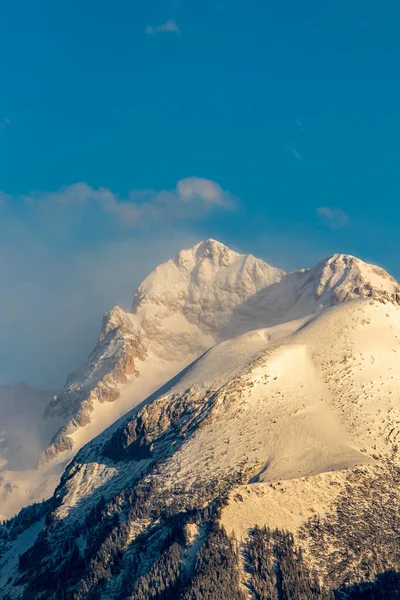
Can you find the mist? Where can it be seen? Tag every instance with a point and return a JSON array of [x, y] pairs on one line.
[[69, 256], [51, 307]]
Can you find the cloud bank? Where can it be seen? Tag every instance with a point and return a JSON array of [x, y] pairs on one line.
[[193, 198]]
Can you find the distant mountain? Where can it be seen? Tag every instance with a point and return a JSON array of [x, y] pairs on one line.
[[21, 432], [23, 435]]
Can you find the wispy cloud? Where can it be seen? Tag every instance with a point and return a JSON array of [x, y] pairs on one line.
[[336, 218], [293, 150], [299, 124], [169, 26]]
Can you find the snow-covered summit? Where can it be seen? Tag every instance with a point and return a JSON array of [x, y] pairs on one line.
[[336, 279], [178, 312], [340, 278], [185, 306], [347, 277], [203, 284]]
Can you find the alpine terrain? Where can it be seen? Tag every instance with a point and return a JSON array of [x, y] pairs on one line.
[[235, 436]]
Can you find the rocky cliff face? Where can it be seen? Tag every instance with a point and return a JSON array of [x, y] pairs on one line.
[[110, 365]]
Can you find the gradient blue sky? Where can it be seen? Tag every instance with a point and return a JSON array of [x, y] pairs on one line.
[[293, 108]]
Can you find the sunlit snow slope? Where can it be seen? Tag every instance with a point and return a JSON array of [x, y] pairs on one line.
[[313, 395], [178, 312], [184, 307]]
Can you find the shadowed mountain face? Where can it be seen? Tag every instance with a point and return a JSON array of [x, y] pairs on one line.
[[261, 470]]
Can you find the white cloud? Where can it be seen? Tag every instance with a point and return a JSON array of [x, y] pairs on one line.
[[204, 190], [192, 199], [169, 26], [336, 218]]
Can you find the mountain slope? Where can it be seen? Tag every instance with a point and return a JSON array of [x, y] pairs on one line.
[[178, 312], [201, 296], [315, 396]]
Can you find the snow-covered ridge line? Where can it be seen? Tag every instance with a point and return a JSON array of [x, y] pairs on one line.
[[202, 296], [198, 297], [177, 312]]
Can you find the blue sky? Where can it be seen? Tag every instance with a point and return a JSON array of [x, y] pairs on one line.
[[292, 108]]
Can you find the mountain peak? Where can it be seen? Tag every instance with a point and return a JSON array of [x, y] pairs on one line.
[[177, 314], [211, 244], [351, 277], [204, 283], [297, 384], [210, 250], [341, 259], [211, 247]]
